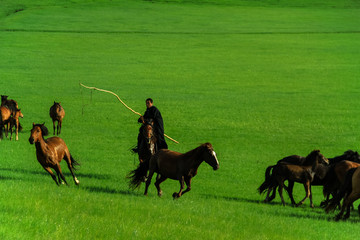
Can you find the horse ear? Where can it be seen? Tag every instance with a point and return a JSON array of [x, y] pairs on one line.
[[43, 124], [33, 124]]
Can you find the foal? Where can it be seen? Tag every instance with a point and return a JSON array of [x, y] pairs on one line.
[[300, 174], [50, 152], [57, 113]]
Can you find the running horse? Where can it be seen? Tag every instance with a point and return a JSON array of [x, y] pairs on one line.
[[146, 149], [50, 152], [180, 166], [57, 113]]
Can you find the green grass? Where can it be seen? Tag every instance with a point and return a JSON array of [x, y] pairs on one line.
[[260, 81]]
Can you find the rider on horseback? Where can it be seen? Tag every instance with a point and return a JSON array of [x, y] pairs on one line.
[[152, 113]]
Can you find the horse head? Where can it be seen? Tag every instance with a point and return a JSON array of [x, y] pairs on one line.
[[319, 157], [210, 156], [37, 133], [352, 156], [18, 113]]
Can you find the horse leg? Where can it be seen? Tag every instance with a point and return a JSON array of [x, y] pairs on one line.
[[59, 126], [54, 126], [59, 172], [188, 184], [280, 190], [52, 174], [69, 163], [177, 195], [290, 191], [148, 181], [157, 184], [349, 202], [307, 193], [273, 195], [17, 130]]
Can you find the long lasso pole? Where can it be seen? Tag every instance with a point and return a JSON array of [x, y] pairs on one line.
[[102, 90]]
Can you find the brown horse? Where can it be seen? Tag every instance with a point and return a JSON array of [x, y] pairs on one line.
[[296, 173], [14, 122], [181, 167], [5, 118], [57, 113], [147, 141], [12, 105], [327, 174], [336, 178], [270, 185], [50, 152], [350, 191], [146, 149]]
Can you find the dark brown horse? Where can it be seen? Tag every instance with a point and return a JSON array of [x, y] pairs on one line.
[[57, 113], [295, 173], [336, 178], [181, 167], [327, 174], [147, 141], [350, 191], [50, 152]]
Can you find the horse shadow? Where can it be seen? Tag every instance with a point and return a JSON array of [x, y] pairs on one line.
[[317, 212], [97, 189]]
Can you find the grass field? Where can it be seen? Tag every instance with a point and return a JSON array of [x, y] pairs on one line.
[[259, 80]]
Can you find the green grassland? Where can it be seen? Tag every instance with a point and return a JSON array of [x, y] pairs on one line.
[[260, 80]]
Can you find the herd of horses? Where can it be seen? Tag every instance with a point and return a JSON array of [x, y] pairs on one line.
[[339, 177], [164, 162]]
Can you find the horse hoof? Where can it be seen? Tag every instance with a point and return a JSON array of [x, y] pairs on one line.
[[160, 193], [175, 195]]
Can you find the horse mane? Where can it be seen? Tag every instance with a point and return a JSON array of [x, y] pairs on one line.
[[309, 160], [44, 129], [201, 147]]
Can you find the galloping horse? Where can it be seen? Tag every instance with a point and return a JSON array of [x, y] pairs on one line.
[[350, 191], [50, 152], [181, 167], [147, 148], [328, 174], [57, 113], [295, 173], [14, 121]]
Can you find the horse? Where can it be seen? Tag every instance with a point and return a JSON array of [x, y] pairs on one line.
[[269, 185], [5, 116], [350, 191], [336, 178], [57, 113], [147, 141], [14, 122], [296, 173], [327, 173], [50, 152], [181, 167]]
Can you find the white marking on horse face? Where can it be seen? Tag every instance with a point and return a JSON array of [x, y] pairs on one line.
[[214, 154]]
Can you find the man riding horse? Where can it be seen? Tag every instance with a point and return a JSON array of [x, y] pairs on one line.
[[152, 114]]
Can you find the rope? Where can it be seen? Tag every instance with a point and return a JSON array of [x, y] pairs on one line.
[[102, 90]]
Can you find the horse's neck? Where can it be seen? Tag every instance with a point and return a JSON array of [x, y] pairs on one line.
[[41, 146], [194, 159]]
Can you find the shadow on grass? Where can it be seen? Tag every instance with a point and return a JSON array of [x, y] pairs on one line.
[[316, 213], [67, 174], [111, 191]]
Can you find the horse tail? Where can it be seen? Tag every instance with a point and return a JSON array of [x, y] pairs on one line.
[[137, 176], [268, 181], [346, 188], [73, 162]]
